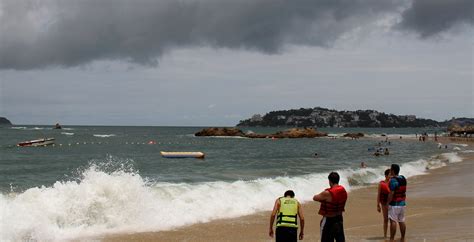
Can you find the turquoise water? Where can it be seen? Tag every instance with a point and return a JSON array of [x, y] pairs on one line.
[[102, 180], [227, 159]]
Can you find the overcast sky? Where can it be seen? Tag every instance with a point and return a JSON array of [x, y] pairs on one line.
[[215, 62]]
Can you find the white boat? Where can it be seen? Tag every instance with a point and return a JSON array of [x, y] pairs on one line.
[[37, 142], [199, 155]]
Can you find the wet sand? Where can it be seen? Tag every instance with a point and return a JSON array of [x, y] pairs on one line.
[[440, 207]]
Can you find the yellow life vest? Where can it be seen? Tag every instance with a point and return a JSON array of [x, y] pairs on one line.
[[288, 214]]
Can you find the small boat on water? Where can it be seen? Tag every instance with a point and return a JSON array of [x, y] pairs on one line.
[[37, 142], [199, 155]]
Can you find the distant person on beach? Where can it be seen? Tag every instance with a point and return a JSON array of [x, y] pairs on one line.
[[287, 210], [396, 202], [386, 152], [363, 165], [382, 199], [332, 201]]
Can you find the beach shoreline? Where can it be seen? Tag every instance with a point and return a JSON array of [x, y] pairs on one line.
[[439, 209]]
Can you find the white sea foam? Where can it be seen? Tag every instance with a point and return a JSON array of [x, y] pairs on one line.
[[18, 127], [27, 128], [104, 201], [467, 151], [66, 133], [392, 136], [462, 145], [123, 202], [452, 157], [404, 136], [227, 137], [104, 135]]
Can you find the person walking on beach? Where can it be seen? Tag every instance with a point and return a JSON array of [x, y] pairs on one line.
[[332, 200], [382, 200], [396, 202], [287, 210]]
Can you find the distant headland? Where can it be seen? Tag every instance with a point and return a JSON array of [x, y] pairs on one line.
[[323, 117], [5, 121]]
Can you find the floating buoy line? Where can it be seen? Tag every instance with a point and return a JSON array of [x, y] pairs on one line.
[[72, 144]]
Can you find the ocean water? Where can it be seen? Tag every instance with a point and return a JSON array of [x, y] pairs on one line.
[[98, 180]]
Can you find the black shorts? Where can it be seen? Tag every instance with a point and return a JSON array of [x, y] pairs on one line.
[[286, 234], [332, 229]]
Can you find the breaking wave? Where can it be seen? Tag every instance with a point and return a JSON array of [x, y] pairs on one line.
[[117, 199]]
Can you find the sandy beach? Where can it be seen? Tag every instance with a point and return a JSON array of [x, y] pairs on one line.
[[440, 208]]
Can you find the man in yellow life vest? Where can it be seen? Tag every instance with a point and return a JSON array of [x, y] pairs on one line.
[[287, 210]]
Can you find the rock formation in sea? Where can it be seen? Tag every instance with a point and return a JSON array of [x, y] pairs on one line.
[[220, 132], [354, 135], [289, 133]]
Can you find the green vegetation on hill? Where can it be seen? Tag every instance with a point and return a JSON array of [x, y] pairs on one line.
[[323, 117]]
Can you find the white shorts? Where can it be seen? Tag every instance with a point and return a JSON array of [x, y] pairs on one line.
[[396, 213]]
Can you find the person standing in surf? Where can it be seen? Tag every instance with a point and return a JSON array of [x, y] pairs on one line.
[[396, 202], [333, 201], [287, 210], [382, 199]]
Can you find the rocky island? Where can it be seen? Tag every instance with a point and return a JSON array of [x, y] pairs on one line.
[[289, 133]]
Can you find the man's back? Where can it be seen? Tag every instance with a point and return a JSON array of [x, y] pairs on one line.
[[398, 185]]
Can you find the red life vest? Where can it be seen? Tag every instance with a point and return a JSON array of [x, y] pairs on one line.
[[400, 192], [338, 201], [384, 191]]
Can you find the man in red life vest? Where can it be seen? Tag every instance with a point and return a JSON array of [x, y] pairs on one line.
[[332, 202], [287, 210], [396, 202]]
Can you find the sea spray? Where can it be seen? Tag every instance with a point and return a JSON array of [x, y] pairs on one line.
[[451, 157], [112, 197]]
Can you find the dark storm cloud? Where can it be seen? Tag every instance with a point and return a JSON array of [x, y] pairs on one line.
[[430, 17], [41, 33], [37, 34]]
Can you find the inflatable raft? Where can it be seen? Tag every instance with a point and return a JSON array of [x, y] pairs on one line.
[[199, 155]]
